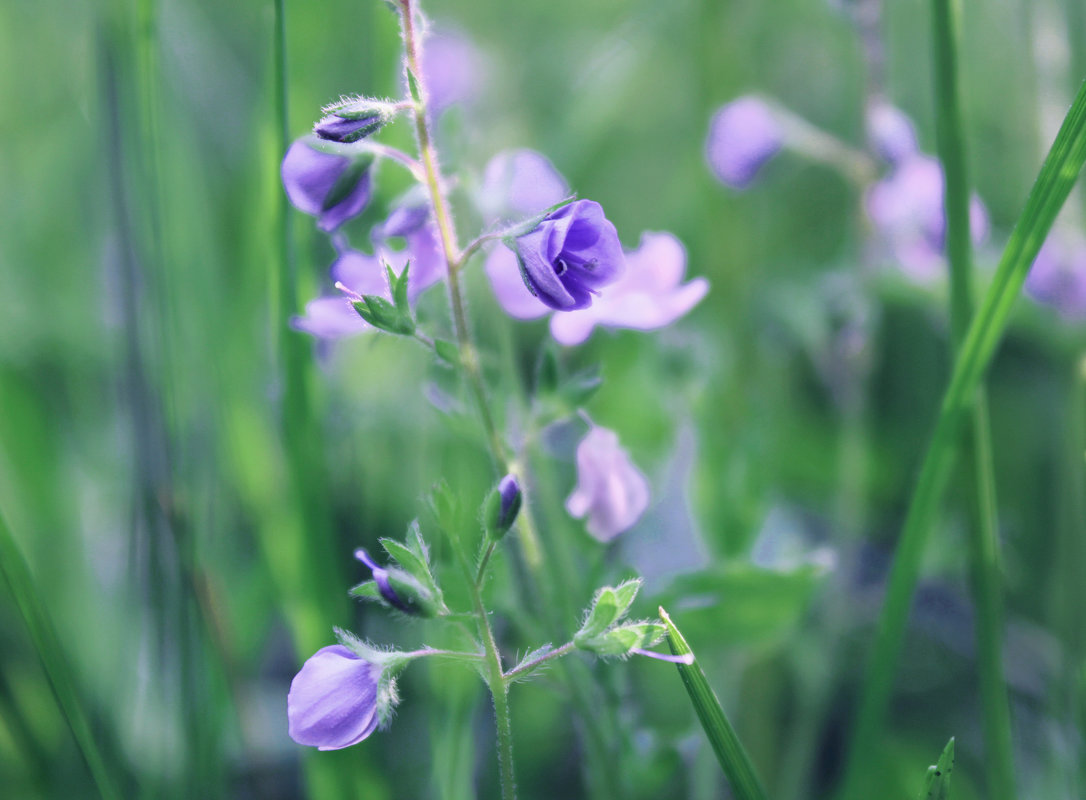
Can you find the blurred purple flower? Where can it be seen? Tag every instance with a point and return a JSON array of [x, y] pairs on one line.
[[647, 296], [572, 254], [890, 132], [329, 318], [610, 489], [521, 183], [327, 180], [411, 222], [743, 135], [906, 208], [453, 70], [332, 701], [1058, 275]]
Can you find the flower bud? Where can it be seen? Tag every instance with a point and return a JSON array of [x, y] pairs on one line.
[[398, 589], [501, 507], [353, 119], [743, 136]]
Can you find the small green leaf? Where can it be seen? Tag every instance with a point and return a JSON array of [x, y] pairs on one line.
[[399, 290], [625, 593], [366, 590], [408, 560], [603, 615], [620, 641], [937, 781], [447, 352]]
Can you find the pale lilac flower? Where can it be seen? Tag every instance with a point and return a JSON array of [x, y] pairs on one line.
[[453, 70], [890, 132], [327, 180], [509, 288], [1058, 275], [332, 701], [329, 318], [572, 254], [521, 183], [649, 295], [610, 490], [743, 136], [906, 208]]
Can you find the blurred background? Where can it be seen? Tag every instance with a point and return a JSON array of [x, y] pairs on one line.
[[188, 513]]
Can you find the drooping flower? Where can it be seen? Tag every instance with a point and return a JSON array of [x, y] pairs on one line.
[[572, 254], [906, 208], [1058, 275], [743, 136], [332, 701], [647, 296], [610, 490], [521, 183], [327, 180], [890, 132]]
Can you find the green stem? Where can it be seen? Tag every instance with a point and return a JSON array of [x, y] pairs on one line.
[[1054, 183], [984, 528]]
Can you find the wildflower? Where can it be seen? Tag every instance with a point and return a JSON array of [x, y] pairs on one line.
[[520, 183], [412, 222], [329, 318], [647, 296], [572, 254], [906, 208], [380, 577], [502, 507], [610, 490], [453, 70], [890, 132], [743, 136], [327, 180], [1058, 275], [332, 701], [353, 119]]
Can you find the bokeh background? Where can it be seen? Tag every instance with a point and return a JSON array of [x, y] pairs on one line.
[[188, 513]]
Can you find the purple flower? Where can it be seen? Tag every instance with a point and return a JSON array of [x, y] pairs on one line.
[[329, 318], [453, 70], [327, 180], [521, 183], [352, 119], [502, 506], [906, 208], [1058, 275], [572, 254], [610, 489], [743, 135], [380, 577], [647, 296], [333, 699], [890, 132]]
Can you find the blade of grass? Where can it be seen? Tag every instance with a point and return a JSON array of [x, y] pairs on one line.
[[1054, 182], [21, 583], [729, 750], [983, 528], [937, 782]]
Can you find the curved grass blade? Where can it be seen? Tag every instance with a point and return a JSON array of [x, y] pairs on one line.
[[18, 578], [1054, 183], [937, 782], [729, 750]]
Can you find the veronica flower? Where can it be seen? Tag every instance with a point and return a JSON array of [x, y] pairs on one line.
[[649, 295], [453, 70], [743, 136], [1058, 275], [332, 701], [572, 254], [327, 180], [610, 490], [906, 208], [890, 132], [411, 221]]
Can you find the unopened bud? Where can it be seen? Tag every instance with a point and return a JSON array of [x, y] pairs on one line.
[[502, 506]]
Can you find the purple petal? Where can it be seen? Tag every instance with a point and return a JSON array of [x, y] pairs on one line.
[[453, 69], [890, 132], [1058, 275], [332, 701], [610, 490], [509, 289], [309, 175], [361, 273], [520, 183], [743, 135], [330, 318]]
